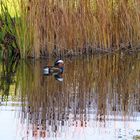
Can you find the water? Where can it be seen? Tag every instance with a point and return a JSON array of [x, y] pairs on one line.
[[99, 98]]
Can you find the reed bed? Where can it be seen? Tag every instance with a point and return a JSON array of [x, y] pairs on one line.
[[64, 28], [83, 27]]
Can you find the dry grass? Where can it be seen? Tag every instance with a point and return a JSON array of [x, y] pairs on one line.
[[49, 27], [77, 27]]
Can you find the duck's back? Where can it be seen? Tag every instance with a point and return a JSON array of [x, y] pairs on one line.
[[52, 70]]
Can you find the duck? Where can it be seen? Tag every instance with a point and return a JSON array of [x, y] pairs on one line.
[[56, 69]]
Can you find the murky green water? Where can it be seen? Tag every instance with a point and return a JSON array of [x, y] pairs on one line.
[[98, 99]]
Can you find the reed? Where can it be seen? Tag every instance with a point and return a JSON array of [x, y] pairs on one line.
[[52, 28], [77, 27]]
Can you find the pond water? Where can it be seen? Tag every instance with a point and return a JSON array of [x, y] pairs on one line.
[[99, 98]]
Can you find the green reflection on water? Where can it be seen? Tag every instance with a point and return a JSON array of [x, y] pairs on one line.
[[136, 137]]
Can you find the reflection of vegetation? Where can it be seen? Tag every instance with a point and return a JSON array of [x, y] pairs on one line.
[[7, 78], [136, 137], [94, 88], [103, 86]]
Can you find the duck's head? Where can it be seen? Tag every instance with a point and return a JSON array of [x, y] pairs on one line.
[[59, 63]]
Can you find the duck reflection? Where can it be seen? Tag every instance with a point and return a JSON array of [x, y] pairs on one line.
[[58, 77]]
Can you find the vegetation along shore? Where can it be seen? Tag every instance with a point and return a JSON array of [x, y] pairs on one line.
[[43, 28]]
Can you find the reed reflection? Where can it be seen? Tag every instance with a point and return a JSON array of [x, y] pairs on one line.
[[95, 89], [8, 69]]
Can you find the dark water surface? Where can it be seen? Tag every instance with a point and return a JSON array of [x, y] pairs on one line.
[[98, 99]]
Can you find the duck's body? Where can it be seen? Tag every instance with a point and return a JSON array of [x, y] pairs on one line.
[[57, 69], [50, 70]]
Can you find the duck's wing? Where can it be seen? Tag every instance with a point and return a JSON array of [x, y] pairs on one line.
[[55, 70], [51, 70]]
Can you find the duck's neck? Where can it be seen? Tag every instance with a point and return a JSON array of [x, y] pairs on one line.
[[62, 69]]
